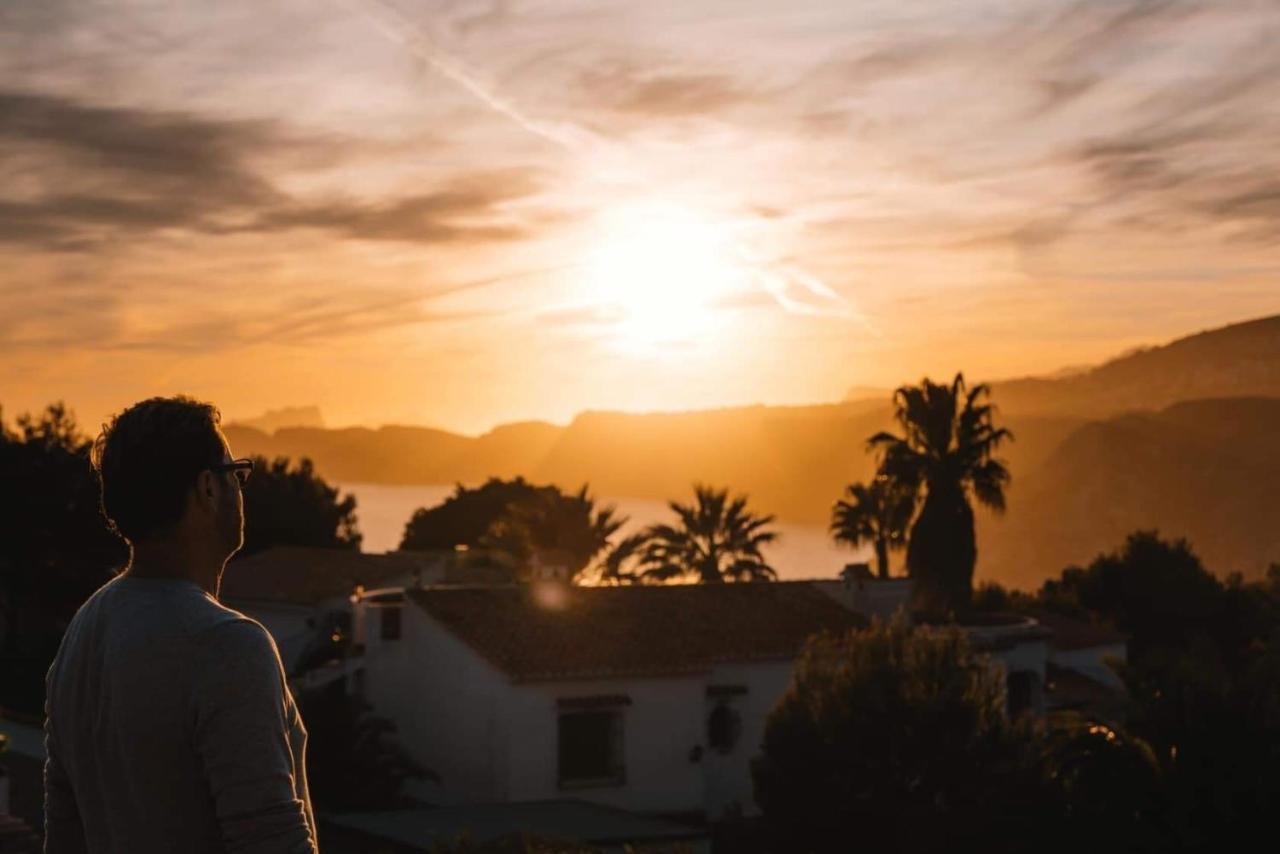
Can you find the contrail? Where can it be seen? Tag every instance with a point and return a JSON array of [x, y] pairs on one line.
[[400, 29], [775, 279]]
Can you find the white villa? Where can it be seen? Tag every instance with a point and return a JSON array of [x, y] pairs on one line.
[[652, 699], [649, 699], [302, 594]]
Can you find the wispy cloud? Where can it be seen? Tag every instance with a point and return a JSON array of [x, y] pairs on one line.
[[81, 175], [383, 162]]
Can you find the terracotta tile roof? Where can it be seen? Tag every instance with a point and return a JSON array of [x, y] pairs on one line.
[[1075, 633], [308, 576], [541, 632]]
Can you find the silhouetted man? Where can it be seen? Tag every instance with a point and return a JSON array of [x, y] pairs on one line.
[[170, 727]]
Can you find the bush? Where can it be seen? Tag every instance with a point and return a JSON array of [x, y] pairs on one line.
[[895, 738]]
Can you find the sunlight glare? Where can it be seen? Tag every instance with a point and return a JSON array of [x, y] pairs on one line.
[[661, 269]]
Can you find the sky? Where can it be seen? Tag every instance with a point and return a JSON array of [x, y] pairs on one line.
[[461, 214]]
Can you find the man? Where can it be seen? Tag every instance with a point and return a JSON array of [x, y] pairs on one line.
[[169, 725]]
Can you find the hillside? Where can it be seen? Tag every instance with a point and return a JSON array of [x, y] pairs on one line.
[[1206, 470], [1242, 360], [1177, 437]]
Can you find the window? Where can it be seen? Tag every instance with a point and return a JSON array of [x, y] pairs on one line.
[[724, 726], [590, 748], [389, 623]]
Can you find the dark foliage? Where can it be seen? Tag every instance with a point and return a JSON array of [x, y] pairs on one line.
[[353, 759], [464, 517], [877, 514], [1204, 683], [518, 518], [288, 504], [552, 522], [57, 546], [1105, 784], [897, 738], [715, 539], [1157, 592], [946, 453]]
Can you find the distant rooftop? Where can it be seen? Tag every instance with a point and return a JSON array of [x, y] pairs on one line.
[[1075, 633], [307, 576], [542, 632]]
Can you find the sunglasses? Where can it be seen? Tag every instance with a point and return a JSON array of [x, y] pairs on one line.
[[242, 469]]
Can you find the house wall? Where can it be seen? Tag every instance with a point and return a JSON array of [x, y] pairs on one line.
[[1030, 656], [670, 766], [444, 700], [491, 740], [727, 776], [1092, 662], [660, 728]]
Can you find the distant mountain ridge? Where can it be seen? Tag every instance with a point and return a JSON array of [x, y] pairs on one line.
[[1240, 360], [1177, 437], [289, 416]]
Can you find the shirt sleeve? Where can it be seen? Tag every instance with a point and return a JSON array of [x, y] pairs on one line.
[[63, 828], [241, 736]]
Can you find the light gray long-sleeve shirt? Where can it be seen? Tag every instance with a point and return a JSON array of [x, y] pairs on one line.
[[170, 728]]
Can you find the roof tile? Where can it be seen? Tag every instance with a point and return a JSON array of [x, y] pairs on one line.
[[540, 632]]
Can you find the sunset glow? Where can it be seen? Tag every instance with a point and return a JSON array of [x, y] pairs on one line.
[[468, 214], [662, 270]]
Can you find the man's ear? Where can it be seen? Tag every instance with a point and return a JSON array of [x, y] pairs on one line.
[[206, 490]]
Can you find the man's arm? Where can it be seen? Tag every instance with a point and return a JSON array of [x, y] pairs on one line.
[[241, 737], [63, 829]]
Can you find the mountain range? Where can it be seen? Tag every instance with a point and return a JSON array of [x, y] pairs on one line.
[[1178, 437]]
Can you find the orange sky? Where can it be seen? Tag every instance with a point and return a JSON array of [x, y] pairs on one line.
[[461, 214]]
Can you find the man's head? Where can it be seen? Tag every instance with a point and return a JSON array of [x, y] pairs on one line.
[[162, 467]]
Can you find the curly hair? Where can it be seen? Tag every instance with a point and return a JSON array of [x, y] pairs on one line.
[[147, 458]]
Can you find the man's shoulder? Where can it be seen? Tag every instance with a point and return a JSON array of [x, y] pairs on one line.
[[238, 652], [223, 625], [228, 633]]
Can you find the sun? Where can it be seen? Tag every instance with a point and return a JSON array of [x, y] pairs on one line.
[[658, 271]]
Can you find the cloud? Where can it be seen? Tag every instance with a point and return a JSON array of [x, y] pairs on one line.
[[81, 175], [76, 171], [445, 216], [1103, 120], [626, 88], [97, 321]]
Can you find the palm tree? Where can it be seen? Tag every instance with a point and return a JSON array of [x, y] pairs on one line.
[[717, 539], [621, 563], [947, 452], [554, 521], [877, 514]]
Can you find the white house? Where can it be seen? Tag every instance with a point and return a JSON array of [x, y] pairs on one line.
[[300, 593], [650, 699], [1079, 675]]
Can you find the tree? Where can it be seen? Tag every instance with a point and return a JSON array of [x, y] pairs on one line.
[[716, 539], [287, 504], [1156, 591], [947, 451], [466, 515], [1203, 678], [57, 546], [552, 521], [1216, 727], [354, 761], [518, 518], [896, 737], [621, 563], [877, 514], [1108, 785]]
